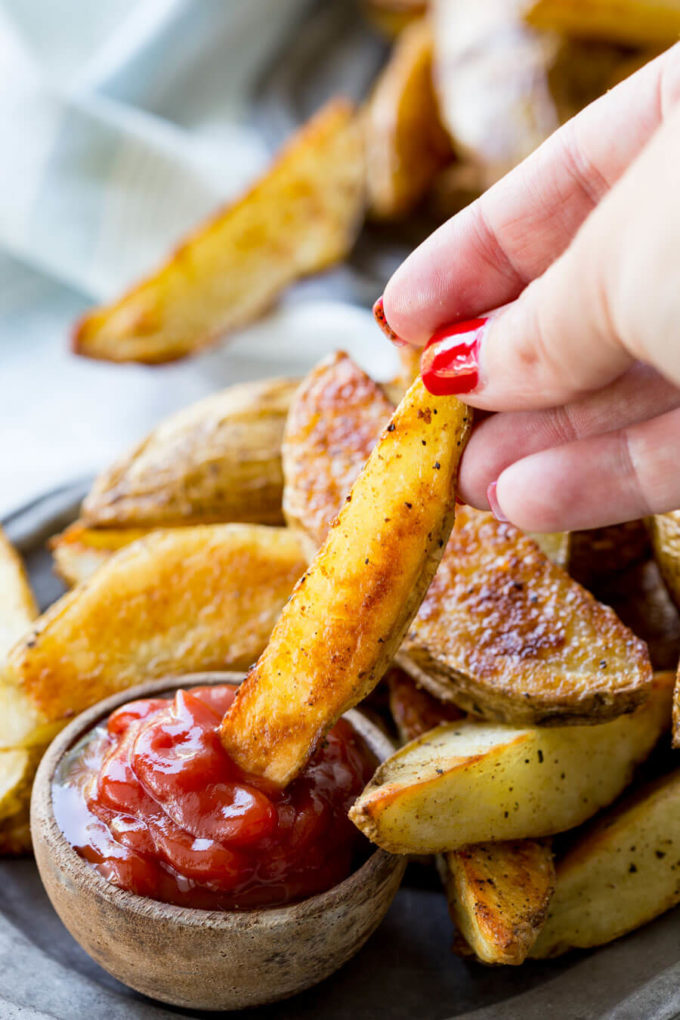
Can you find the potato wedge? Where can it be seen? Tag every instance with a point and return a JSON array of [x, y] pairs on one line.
[[664, 531], [187, 599], [555, 545], [14, 766], [632, 22], [17, 604], [217, 461], [413, 709], [491, 75], [406, 144], [301, 217], [349, 612], [506, 634], [393, 16], [619, 874], [480, 637], [472, 782], [79, 551], [334, 422], [498, 895]]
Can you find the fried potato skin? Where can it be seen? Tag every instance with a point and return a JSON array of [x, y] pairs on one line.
[[619, 874], [632, 22], [79, 551], [301, 217], [17, 604], [471, 782], [406, 144], [348, 614], [334, 422], [498, 895], [482, 636], [216, 461], [176, 601], [413, 709]]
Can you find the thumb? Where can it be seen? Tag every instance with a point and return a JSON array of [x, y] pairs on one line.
[[610, 299]]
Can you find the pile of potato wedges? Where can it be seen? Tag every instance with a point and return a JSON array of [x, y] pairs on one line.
[[535, 724]]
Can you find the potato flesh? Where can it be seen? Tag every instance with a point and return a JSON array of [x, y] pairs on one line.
[[473, 782], [17, 605], [498, 896], [79, 551], [186, 599], [619, 875], [349, 612], [301, 217]]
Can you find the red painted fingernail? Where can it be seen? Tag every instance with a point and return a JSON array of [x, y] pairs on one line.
[[459, 501], [379, 316], [494, 504], [450, 362]]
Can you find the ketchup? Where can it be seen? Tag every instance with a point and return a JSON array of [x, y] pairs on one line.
[[154, 802]]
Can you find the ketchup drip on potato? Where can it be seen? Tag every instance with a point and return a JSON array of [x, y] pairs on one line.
[[154, 802]]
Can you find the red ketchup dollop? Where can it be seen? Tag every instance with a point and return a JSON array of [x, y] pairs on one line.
[[155, 803]]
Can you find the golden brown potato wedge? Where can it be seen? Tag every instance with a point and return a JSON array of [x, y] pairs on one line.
[[481, 637], [405, 142], [79, 551], [619, 874], [471, 782], [348, 614], [633, 22], [491, 75], [17, 604], [195, 598], [498, 895], [664, 530], [335, 419], [217, 461], [302, 216], [506, 634], [413, 709]]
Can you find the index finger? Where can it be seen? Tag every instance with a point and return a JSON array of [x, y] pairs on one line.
[[487, 254]]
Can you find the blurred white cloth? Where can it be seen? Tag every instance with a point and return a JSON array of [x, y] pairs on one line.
[[122, 125]]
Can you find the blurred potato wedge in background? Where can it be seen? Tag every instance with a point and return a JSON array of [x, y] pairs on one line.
[[406, 144], [555, 545], [348, 614], [393, 16], [79, 551], [472, 782], [503, 632], [498, 896], [177, 601], [15, 834], [632, 22], [218, 460], [17, 604], [620, 873], [301, 217]]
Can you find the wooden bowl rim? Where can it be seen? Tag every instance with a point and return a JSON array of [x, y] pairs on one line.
[[84, 876]]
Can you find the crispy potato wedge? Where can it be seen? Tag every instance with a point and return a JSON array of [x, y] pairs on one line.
[[664, 531], [79, 551], [619, 874], [413, 709], [17, 604], [301, 217], [491, 75], [472, 782], [498, 895], [217, 461], [349, 612], [480, 637], [405, 142], [334, 422], [633, 22], [187, 599]]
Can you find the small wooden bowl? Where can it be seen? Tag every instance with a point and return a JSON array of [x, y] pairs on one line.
[[205, 959]]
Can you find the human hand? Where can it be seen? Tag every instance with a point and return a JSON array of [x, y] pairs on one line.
[[581, 245]]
